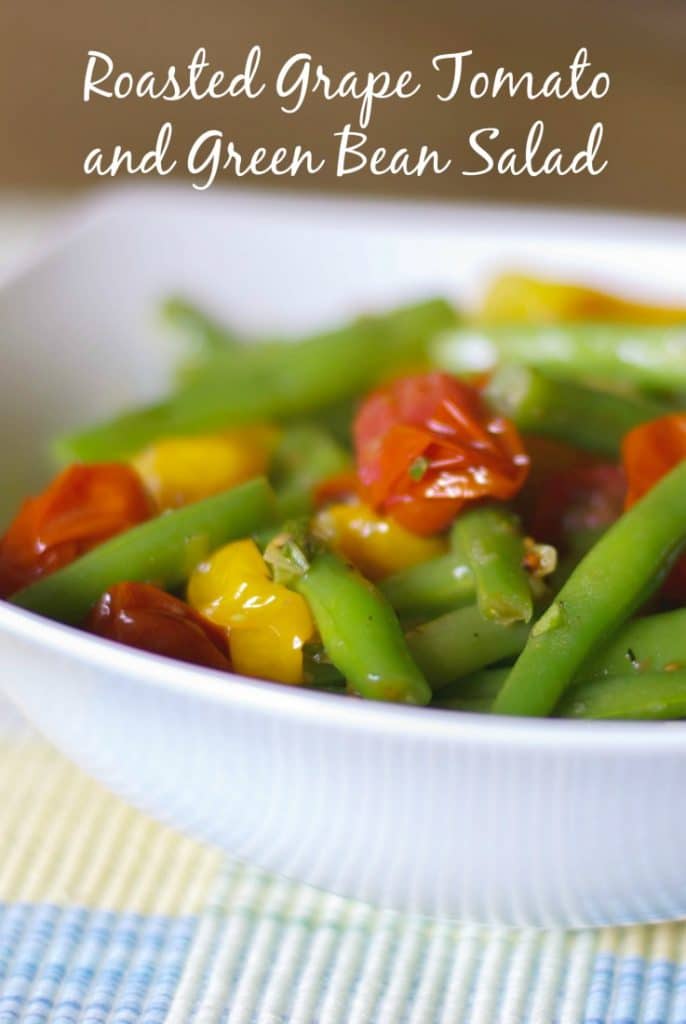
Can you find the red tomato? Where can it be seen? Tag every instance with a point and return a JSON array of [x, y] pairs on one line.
[[586, 496], [427, 444], [549, 458], [82, 507], [142, 616], [648, 454], [650, 451]]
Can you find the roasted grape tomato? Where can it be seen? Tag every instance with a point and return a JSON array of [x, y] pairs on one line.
[[428, 444], [142, 616], [579, 501], [649, 452], [83, 506]]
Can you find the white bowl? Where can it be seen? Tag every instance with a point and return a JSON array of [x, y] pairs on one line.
[[516, 821]]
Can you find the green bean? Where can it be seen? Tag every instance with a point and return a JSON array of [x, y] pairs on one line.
[[430, 588], [462, 642], [318, 671], [337, 420], [649, 644], [582, 416], [652, 645], [639, 695], [304, 456], [272, 382], [478, 688], [474, 705], [360, 632], [608, 585], [491, 541], [293, 379], [199, 331], [118, 438], [635, 696], [647, 355], [163, 551], [577, 544]]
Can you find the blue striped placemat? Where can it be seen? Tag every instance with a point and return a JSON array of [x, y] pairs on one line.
[[109, 918]]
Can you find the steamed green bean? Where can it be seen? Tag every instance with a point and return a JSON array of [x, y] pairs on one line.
[[304, 456], [585, 417], [491, 541], [272, 382], [429, 589], [202, 335], [462, 642], [648, 355], [636, 696], [653, 643], [161, 551], [608, 585], [361, 633]]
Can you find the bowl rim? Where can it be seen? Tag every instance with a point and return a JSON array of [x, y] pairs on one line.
[[504, 218], [334, 711]]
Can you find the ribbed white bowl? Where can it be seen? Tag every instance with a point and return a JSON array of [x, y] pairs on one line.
[[523, 822]]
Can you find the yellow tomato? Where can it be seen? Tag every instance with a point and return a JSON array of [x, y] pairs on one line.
[[268, 624], [377, 545], [181, 470], [523, 299]]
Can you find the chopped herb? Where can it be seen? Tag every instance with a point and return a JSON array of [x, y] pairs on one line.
[[418, 468]]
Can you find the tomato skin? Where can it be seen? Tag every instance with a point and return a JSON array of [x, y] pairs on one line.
[[585, 497], [82, 507], [649, 452], [427, 444], [142, 616]]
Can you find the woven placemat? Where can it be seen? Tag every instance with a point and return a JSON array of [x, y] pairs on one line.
[[106, 916]]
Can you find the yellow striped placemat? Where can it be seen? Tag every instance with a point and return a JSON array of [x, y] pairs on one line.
[[107, 917]]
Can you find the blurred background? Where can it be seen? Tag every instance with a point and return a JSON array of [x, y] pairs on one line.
[[46, 129]]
